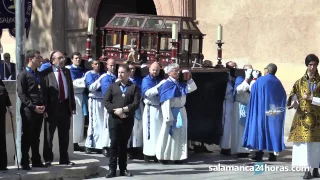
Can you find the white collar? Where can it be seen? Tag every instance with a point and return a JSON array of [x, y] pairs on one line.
[[74, 66], [109, 73], [172, 79]]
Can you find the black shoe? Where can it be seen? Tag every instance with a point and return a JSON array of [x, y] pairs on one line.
[[39, 165], [179, 162], [105, 152], [272, 157], [26, 167], [111, 174], [164, 161], [88, 150], [147, 159], [226, 152], [315, 173], [76, 147], [307, 175], [243, 155], [125, 173], [67, 163], [48, 164], [4, 169]]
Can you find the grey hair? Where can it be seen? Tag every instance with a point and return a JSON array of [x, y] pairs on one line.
[[170, 67], [272, 68]]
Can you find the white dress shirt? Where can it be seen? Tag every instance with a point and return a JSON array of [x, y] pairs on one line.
[[65, 84]]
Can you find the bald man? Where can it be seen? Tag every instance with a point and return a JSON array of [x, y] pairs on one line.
[[100, 130], [241, 98], [152, 117]]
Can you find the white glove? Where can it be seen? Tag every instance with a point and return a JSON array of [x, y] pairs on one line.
[[248, 73], [10, 110], [161, 82], [255, 74], [294, 104]]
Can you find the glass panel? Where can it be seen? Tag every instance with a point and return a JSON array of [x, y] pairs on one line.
[[195, 45], [149, 43], [185, 45], [119, 21], [129, 40], [165, 44], [192, 26], [185, 26], [169, 23], [113, 40], [154, 23], [135, 22]]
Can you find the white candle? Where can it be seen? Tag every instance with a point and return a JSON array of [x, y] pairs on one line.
[[219, 33], [90, 26], [174, 31]]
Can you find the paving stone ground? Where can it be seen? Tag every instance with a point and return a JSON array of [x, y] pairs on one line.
[[197, 167]]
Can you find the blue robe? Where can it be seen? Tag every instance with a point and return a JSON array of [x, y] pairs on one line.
[[137, 81], [91, 78], [170, 89], [106, 81], [243, 107], [45, 66], [265, 132], [149, 82], [77, 72]]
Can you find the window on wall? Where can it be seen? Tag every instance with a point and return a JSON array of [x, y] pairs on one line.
[[128, 39], [165, 44], [185, 45], [195, 45], [113, 39], [149, 43]]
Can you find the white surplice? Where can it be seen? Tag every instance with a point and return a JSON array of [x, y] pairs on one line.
[[97, 136], [152, 121], [306, 154], [136, 138], [174, 147], [242, 97], [78, 118], [225, 142]]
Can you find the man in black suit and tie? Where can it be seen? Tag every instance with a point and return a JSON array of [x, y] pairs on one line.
[[8, 69], [60, 105]]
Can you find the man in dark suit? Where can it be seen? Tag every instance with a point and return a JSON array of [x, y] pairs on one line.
[[8, 69], [59, 105], [121, 100], [5, 104]]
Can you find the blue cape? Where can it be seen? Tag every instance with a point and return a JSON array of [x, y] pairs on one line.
[[105, 82], [137, 81], [91, 78], [45, 66], [169, 90], [238, 81], [265, 132], [149, 82], [77, 73]]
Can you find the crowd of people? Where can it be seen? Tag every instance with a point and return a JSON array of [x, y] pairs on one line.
[[128, 113], [255, 110], [131, 115]]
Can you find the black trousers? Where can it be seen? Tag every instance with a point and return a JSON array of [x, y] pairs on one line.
[[3, 144], [61, 120], [31, 130], [119, 135]]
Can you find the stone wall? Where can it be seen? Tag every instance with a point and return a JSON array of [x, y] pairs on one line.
[[260, 32]]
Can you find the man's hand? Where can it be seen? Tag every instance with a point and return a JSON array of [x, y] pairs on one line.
[[255, 74], [307, 96], [118, 111], [10, 110], [248, 73], [39, 109]]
